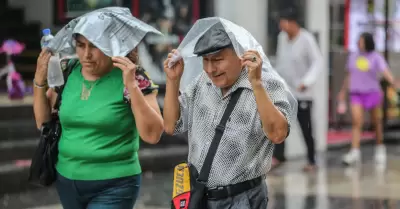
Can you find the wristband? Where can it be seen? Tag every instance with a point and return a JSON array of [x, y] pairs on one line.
[[39, 86]]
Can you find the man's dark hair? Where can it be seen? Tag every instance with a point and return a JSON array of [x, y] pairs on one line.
[[291, 14], [369, 43]]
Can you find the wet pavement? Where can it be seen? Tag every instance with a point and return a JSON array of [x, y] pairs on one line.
[[333, 186]]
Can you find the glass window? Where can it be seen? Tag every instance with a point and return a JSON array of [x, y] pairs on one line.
[[336, 19]]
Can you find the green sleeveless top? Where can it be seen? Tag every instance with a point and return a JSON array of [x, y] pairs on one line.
[[99, 138]]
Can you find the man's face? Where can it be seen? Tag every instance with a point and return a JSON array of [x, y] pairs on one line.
[[223, 68], [284, 25]]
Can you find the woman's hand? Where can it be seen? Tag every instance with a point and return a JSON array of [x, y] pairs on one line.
[[42, 66], [176, 71], [128, 70]]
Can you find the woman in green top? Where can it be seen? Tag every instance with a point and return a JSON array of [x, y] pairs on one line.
[[98, 163]]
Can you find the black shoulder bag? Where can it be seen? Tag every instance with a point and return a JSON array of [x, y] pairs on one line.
[[42, 171], [194, 196]]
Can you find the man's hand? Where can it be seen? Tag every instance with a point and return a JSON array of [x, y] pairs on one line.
[[302, 88], [253, 61], [175, 72]]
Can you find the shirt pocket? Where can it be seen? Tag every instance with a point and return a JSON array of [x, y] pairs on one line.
[[240, 125]]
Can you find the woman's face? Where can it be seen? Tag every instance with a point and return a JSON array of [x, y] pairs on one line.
[[361, 44], [92, 59]]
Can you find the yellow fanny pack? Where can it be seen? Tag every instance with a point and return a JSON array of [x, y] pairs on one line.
[[181, 187]]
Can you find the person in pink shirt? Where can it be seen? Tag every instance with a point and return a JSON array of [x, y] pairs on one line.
[[362, 82]]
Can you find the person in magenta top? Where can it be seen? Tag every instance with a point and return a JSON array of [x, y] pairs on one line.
[[362, 82]]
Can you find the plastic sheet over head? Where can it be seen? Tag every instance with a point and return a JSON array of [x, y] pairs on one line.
[[242, 41], [112, 29]]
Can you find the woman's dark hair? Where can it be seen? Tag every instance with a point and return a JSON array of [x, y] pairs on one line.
[[369, 43]]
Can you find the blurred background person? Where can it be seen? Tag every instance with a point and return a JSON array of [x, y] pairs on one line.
[[299, 62], [362, 82]]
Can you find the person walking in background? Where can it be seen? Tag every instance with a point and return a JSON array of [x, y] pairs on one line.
[[362, 82], [108, 102], [299, 62]]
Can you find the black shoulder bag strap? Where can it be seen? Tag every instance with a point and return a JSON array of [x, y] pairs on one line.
[[219, 131], [59, 90]]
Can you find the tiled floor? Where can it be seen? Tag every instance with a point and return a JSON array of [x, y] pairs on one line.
[[333, 186]]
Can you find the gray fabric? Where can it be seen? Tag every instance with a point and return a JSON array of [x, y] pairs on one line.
[[212, 41], [256, 198]]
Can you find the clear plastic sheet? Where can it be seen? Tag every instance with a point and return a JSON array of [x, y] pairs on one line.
[[242, 41], [112, 29]]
